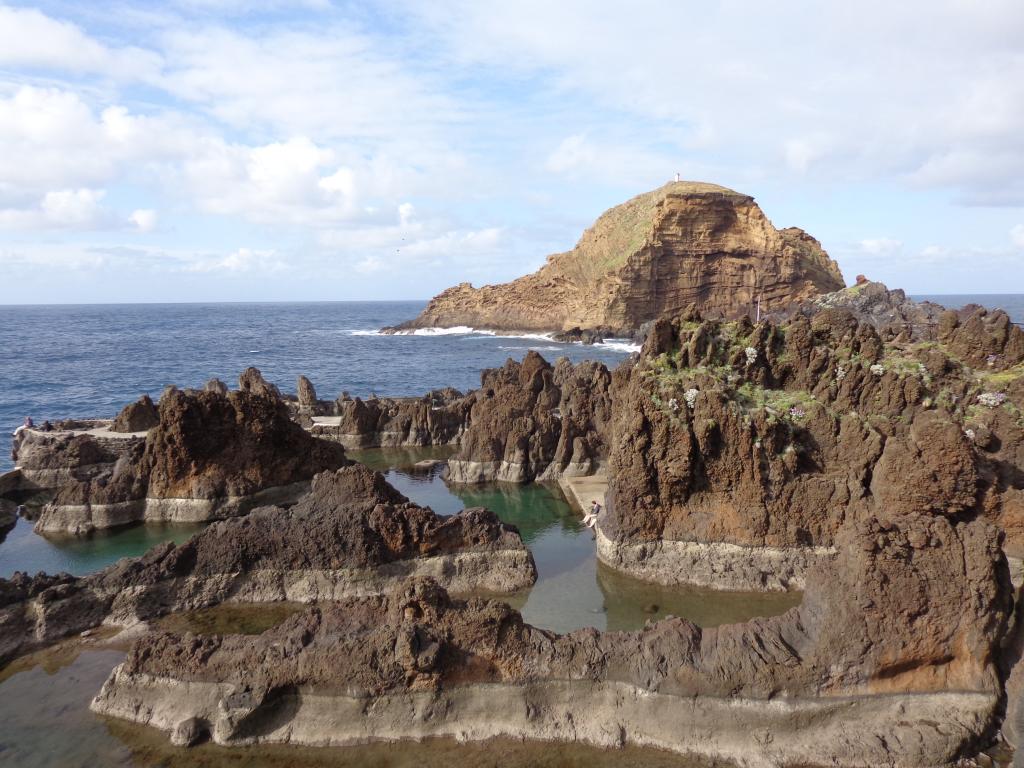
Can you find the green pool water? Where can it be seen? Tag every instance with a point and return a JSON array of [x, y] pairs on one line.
[[573, 590], [24, 550], [44, 698]]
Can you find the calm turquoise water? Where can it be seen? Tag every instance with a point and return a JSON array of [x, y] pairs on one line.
[[572, 589], [23, 550]]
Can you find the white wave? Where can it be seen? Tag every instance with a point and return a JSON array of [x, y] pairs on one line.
[[534, 348], [528, 336], [619, 345], [363, 333], [458, 330]]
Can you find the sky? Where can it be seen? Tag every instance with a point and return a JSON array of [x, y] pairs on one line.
[[224, 150]]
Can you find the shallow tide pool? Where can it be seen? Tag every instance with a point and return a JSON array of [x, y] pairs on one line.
[[573, 590], [44, 698]]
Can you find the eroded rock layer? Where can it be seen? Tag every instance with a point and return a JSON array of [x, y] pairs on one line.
[[897, 634], [352, 535], [211, 455], [533, 421], [683, 243]]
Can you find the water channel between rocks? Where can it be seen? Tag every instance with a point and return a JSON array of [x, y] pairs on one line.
[[44, 716]]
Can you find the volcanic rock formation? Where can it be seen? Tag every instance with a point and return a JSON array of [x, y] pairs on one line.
[[211, 456], [437, 418], [139, 416], [894, 637], [531, 421], [739, 451], [686, 242], [353, 535]]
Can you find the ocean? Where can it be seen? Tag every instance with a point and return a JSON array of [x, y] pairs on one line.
[[90, 360]]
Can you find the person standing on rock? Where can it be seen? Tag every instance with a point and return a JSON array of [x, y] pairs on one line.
[[590, 519]]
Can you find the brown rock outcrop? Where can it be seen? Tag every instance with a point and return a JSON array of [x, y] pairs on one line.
[[683, 243], [971, 334], [437, 418], [897, 634], [352, 535], [531, 421], [72, 452], [136, 417], [210, 456], [740, 451]]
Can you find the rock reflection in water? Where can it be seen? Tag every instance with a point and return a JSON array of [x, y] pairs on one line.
[[25, 550], [573, 590]]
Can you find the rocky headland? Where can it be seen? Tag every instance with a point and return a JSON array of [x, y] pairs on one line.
[[683, 243]]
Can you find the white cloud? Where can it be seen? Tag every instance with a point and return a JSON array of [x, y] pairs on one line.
[[30, 38], [1017, 235], [819, 90], [880, 246], [580, 157], [144, 219], [242, 260], [59, 209]]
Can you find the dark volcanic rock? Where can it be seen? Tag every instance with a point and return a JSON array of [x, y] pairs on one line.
[[905, 620], [773, 436], [437, 418], [532, 421], [211, 455], [582, 335], [353, 534], [136, 417]]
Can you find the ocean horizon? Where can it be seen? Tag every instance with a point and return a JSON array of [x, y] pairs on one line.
[[89, 360]]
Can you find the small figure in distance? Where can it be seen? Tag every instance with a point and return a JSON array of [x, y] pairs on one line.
[[590, 519], [29, 424]]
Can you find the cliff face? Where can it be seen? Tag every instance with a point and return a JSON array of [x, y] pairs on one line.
[[769, 438], [686, 242]]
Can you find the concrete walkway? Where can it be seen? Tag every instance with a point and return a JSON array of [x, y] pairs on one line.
[[580, 491]]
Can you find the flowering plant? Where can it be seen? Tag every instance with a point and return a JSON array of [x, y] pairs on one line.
[[690, 396], [878, 369], [751, 354], [992, 399]]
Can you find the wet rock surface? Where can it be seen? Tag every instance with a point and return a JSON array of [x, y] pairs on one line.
[[353, 534]]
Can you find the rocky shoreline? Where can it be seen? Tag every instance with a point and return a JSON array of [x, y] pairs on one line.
[[860, 447]]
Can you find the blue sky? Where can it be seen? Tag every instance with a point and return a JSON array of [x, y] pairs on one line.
[[227, 150]]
